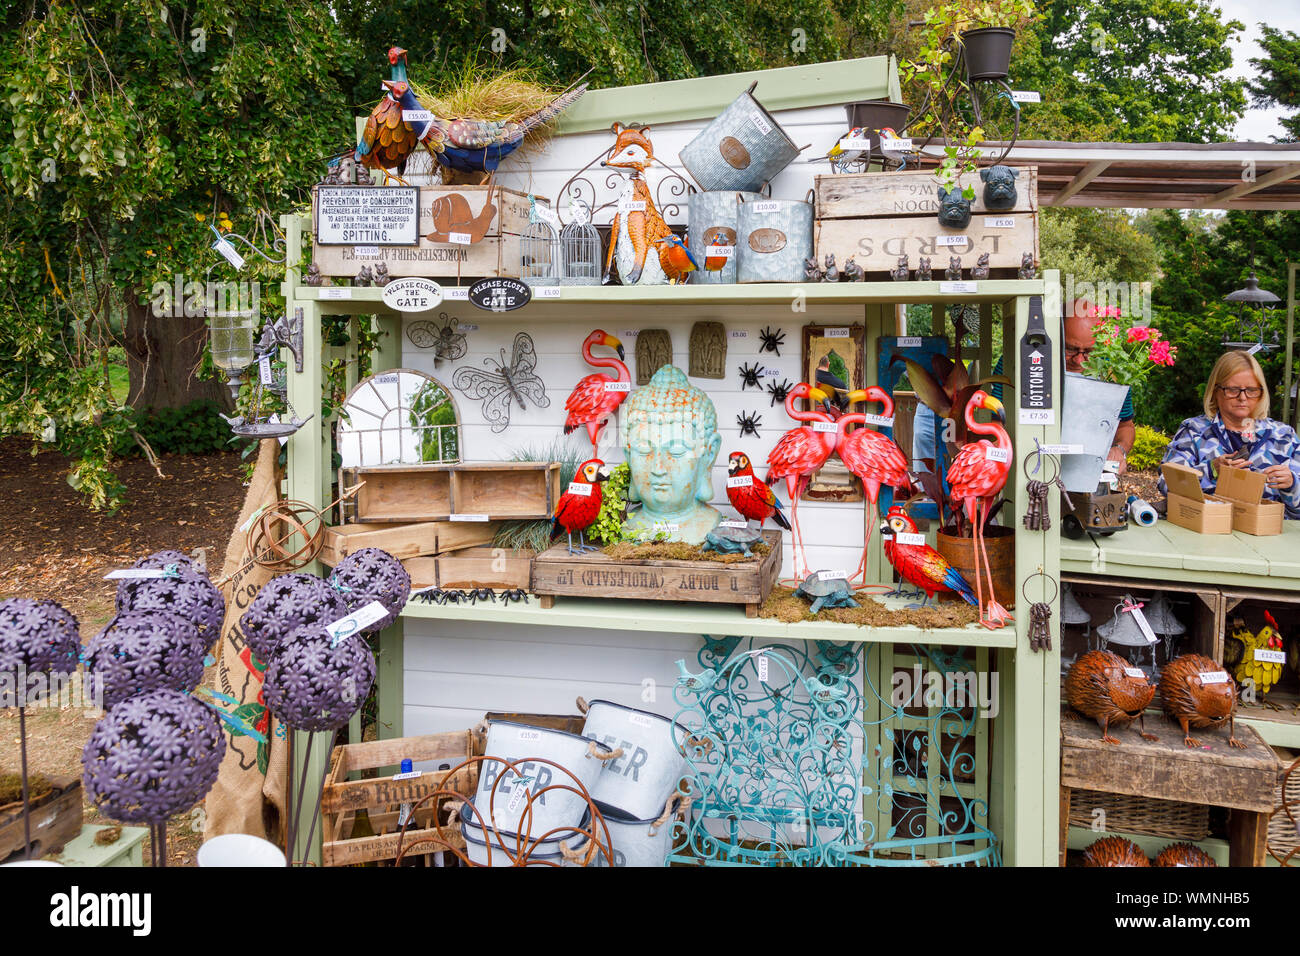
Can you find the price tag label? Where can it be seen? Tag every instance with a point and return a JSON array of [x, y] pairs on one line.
[[740, 481], [618, 386], [952, 240], [460, 238], [461, 294], [909, 341], [837, 333], [667, 527], [528, 736], [365, 252], [739, 525], [1062, 449], [631, 333], [1135, 672], [228, 253], [641, 720], [417, 116], [516, 798], [459, 517], [885, 421], [547, 292], [827, 427], [958, 288], [1270, 657], [905, 537], [762, 668], [903, 144], [1026, 96], [1038, 416], [716, 252], [409, 775], [855, 142], [547, 214], [1143, 624], [999, 222], [770, 373], [767, 205], [760, 121], [632, 205], [137, 574], [887, 536], [739, 334], [355, 622], [836, 575], [1213, 677], [264, 370], [335, 292], [580, 488], [1000, 455]]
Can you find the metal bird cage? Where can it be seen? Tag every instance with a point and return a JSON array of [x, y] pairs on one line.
[[540, 260], [580, 248]]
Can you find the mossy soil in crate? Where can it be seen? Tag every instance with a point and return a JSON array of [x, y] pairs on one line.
[[784, 605]]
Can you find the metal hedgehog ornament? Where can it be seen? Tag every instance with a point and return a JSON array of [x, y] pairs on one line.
[[749, 376], [749, 422], [779, 391], [771, 341]]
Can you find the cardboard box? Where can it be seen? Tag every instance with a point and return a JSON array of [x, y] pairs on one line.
[[1192, 508], [1250, 513]]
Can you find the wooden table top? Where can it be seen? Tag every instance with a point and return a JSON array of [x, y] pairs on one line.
[[1167, 552]]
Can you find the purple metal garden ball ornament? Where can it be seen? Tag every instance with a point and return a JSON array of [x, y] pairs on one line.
[[372, 574], [311, 685], [285, 604], [142, 651], [37, 637], [152, 756], [187, 593]]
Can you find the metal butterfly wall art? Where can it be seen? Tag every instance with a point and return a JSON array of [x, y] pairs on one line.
[[447, 342], [498, 386]]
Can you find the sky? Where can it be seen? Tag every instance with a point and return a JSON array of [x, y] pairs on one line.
[[1258, 125]]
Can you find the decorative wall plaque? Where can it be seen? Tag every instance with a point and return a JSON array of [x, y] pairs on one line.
[[708, 350], [654, 350]]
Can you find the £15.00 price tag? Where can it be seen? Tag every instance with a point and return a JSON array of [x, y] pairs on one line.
[[618, 386], [767, 205], [1000, 455], [740, 481], [906, 537], [416, 116], [632, 205], [999, 222], [828, 427], [1270, 657], [355, 622], [580, 488], [1213, 677], [884, 421]]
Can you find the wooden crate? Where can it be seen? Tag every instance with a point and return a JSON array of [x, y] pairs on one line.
[[472, 568], [55, 820], [878, 217], [1099, 595], [445, 209], [404, 541], [488, 491], [382, 796], [597, 575]]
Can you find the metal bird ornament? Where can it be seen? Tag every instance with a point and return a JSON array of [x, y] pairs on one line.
[[506, 382], [387, 141], [580, 504]]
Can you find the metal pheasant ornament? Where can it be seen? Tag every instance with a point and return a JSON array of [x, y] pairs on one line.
[[387, 140]]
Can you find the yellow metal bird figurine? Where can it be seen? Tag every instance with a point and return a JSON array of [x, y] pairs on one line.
[[1255, 665]]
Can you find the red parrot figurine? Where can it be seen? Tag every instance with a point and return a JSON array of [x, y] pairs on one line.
[[976, 479], [874, 458], [754, 500], [800, 452], [597, 396], [919, 564], [580, 504]]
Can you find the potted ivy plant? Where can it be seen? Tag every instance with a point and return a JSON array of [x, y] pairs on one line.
[[987, 30]]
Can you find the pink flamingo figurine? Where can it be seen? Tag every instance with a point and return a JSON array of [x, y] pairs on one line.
[[874, 458], [596, 396], [976, 479], [800, 452]]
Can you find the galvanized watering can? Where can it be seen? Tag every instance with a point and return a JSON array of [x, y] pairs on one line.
[[743, 148], [774, 237], [637, 783]]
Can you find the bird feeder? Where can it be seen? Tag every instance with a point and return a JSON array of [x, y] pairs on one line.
[[1160, 615], [579, 248], [540, 259], [1254, 317], [231, 332], [1073, 614]]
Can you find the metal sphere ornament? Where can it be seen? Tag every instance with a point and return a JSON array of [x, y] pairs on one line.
[[37, 636], [152, 756], [285, 604], [372, 574], [311, 684], [142, 651], [286, 536], [187, 593]]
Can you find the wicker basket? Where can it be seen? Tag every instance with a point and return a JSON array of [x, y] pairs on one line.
[[1284, 821], [1128, 814]]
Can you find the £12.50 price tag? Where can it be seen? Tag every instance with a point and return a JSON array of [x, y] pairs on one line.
[[618, 386], [884, 421], [1270, 657], [836, 575], [1000, 455], [729, 523], [580, 488], [740, 481], [905, 537]]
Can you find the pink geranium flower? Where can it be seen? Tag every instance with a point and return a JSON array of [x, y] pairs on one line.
[[1139, 333], [1162, 353]]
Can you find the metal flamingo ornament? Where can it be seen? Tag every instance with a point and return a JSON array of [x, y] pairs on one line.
[[596, 396], [799, 454], [976, 479], [580, 504], [874, 458]]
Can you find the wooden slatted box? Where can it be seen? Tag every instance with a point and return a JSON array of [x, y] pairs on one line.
[[485, 490]]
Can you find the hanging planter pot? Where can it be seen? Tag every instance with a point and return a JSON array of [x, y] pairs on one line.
[[988, 52]]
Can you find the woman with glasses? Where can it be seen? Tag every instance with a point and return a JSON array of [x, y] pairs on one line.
[[1236, 430]]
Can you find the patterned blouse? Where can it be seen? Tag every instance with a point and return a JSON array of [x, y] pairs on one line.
[[1200, 440]]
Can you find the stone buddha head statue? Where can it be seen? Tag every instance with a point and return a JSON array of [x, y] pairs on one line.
[[671, 441]]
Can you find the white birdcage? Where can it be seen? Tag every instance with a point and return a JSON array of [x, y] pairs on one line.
[[580, 248], [540, 261]]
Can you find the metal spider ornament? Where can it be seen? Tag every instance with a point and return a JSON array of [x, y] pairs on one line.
[[771, 341], [779, 392], [749, 375], [514, 594], [749, 423]]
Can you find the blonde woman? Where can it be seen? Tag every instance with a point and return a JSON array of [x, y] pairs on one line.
[[1236, 430]]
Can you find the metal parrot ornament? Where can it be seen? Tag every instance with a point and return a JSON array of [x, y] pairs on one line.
[[596, 397], [919, 564], [580, 504], [754, 500]]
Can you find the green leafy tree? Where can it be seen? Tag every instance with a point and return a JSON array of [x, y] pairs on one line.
[[1278, 83]]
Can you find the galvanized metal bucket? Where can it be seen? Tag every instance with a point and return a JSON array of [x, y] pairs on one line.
[[506, 849], [638, 782], [743, 148], [522, 745], [773, 238], [711, 224], [635, 843]]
